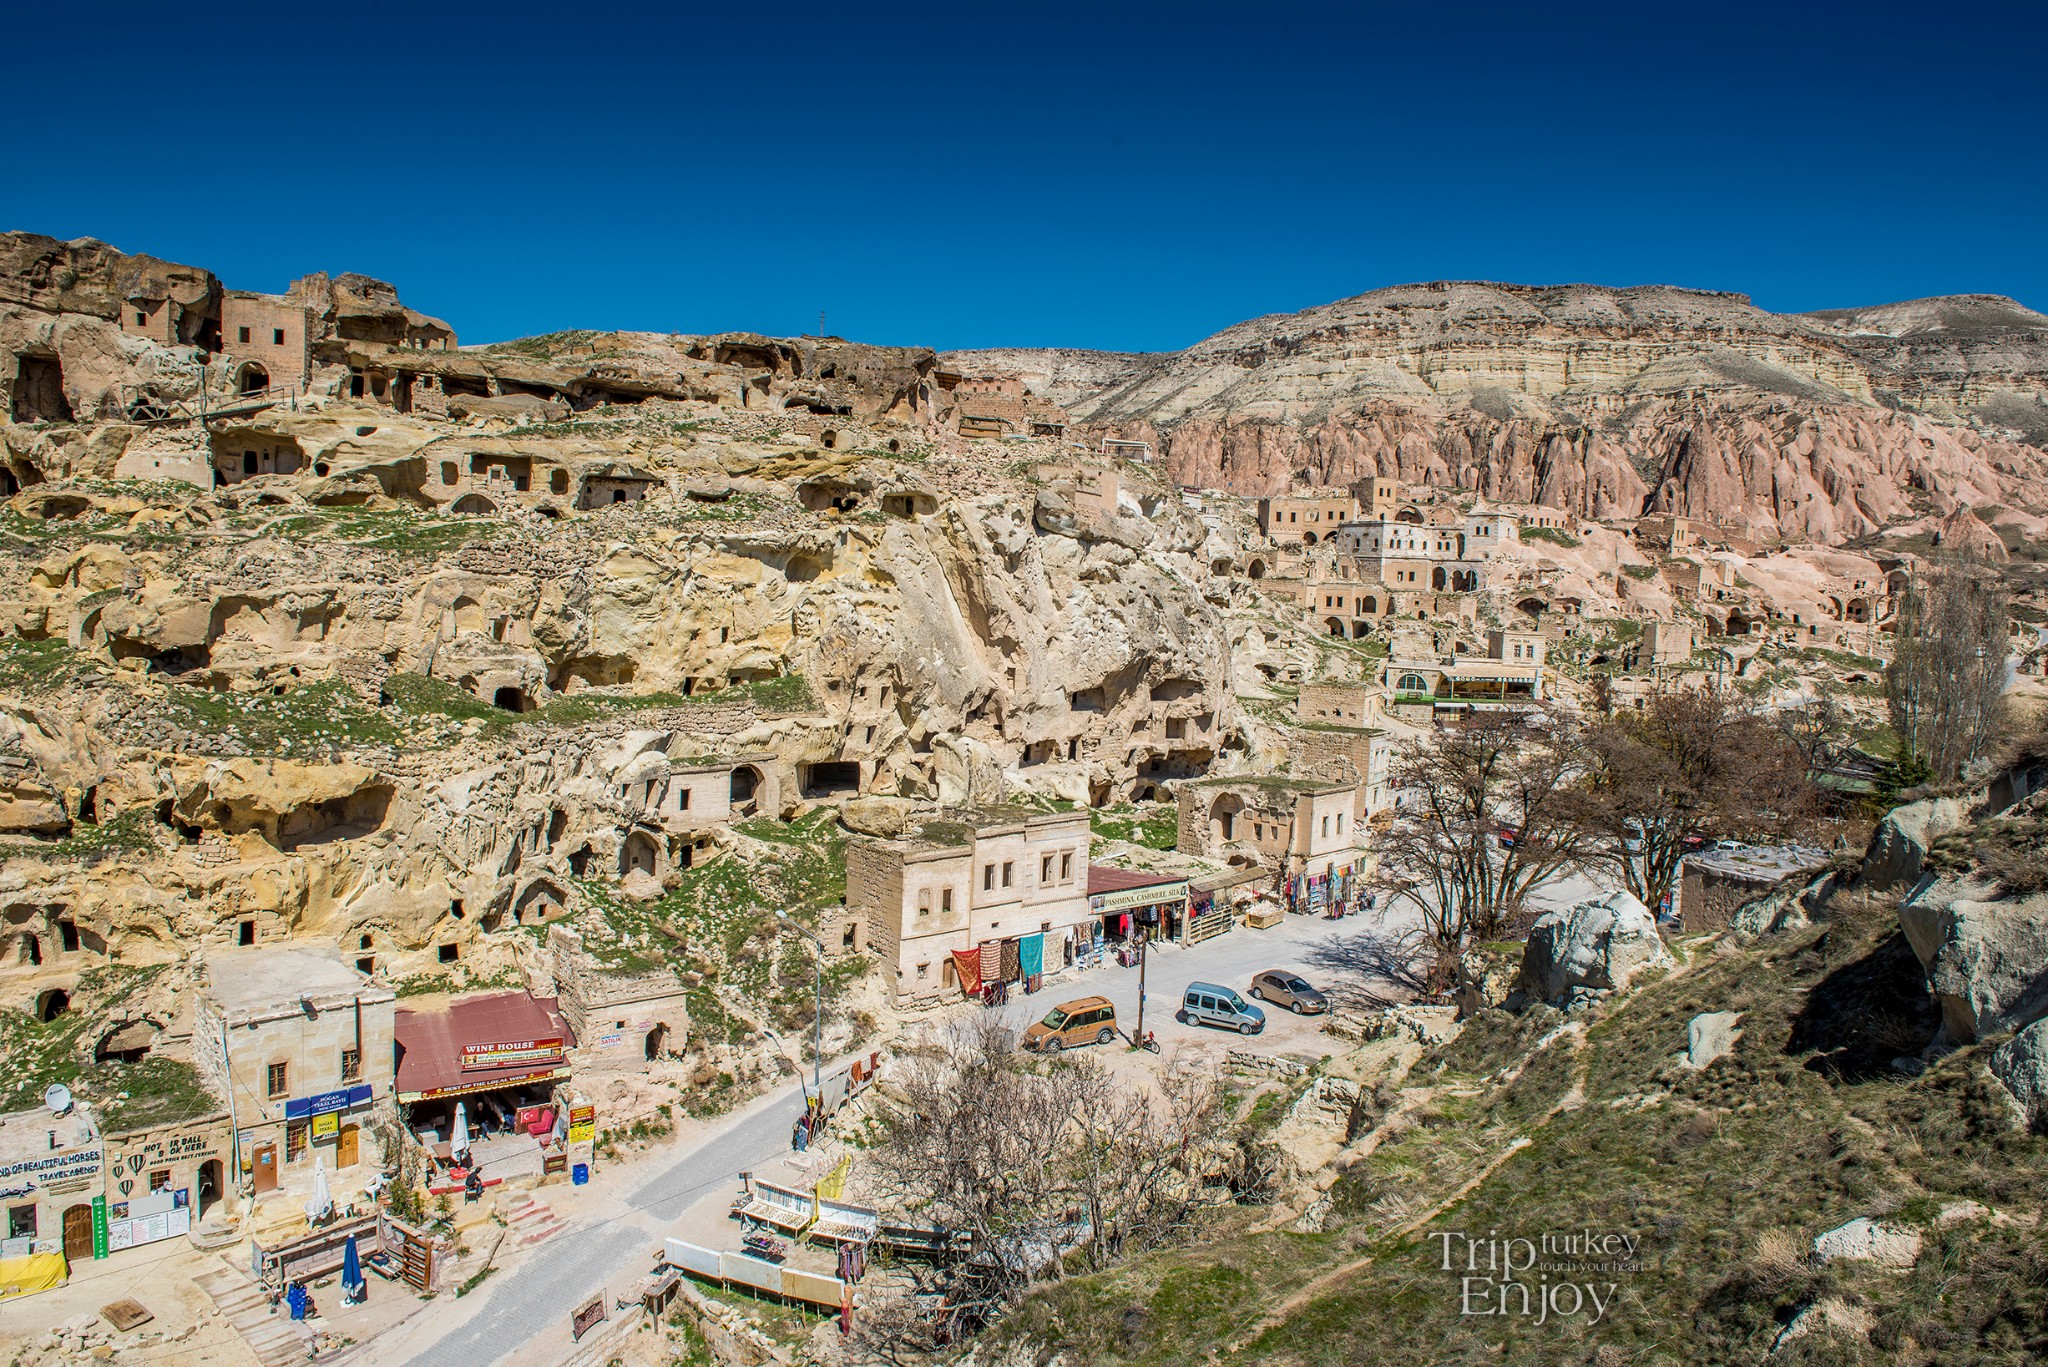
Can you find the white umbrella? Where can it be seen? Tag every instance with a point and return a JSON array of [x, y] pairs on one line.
[[318, 1208], [458, 1139]]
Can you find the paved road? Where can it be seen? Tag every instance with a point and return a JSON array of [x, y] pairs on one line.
[[526, 1310]]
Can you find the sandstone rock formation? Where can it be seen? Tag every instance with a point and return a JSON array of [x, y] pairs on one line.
[[1591, 948], [1986, 955], [1602, 402], [2021, 1063]]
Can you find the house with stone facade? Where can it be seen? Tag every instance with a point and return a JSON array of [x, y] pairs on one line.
[[976, 879]]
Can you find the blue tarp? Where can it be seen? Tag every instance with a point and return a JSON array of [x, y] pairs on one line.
[[1031, 954]]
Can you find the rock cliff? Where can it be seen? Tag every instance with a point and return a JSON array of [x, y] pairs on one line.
[[1603, 402]]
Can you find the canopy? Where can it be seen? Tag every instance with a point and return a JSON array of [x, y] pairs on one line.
[[458, 1139], [351, 1267], [322, 1204]]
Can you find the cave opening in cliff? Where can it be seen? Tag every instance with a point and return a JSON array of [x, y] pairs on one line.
[[39, 390], [745, 783], [830, 778], [639, 854], [474, 505], [129, 1042], [252, 378], [31, 950], [52, 1004], [511, 699], [9, 485]]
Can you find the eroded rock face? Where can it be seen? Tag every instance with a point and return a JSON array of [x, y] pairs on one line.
[[2021, 1063], [1593, 948], [1600, 402], [1709, 1036], [1986, 956], [1868, 1240], [1898, 847]]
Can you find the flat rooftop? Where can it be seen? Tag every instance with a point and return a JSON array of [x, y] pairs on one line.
[[251, 981]]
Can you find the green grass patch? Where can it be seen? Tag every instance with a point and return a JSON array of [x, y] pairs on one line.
[[1553, 535], [307, 722], [1155, 825], [28, 667]]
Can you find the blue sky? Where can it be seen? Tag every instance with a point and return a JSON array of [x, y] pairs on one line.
[[1113, 176]]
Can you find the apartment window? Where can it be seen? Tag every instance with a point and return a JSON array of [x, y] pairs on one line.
[[294, 1141], [274, 1080], [21, 1222], [1067, 867], [945, 900], [683, 801], [1045, 869], [924, 901], [988, 877], [246, 933], [241, 334], [141, 319], [277, 336], [1008, 867], [351, 1065]]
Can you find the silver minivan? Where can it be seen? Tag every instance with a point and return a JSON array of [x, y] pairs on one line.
[[1209, 1004]]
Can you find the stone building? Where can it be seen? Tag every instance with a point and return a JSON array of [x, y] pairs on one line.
[[1307, 518], [1346, 703], [301, 1046], [1294, 826], [268, 338], [1664, 643], [622, 1021], [975, 879], [51, 1168], [1713, 885]]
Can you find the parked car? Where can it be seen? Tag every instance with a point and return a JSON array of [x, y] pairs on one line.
[[1208, 1004], [1291, 990], [1086, 1020], [1507, 836]]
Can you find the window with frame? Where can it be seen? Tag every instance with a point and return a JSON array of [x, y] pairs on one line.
[[160, 1179], [1008, 867], [277, 336], [988, 877], [351, 1065], [924, 901], [1045, 869], [274, 1080], [1067, 866], [241, 334], [945, 900], [21, 1222], [294, 1140]]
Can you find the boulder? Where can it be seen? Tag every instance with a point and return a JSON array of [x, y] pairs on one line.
[[2021, 1063], [1866, 1240], [1986, 956], [1589, 949], [1054, 515], [1485, 979], [1709, 1036], [1898, 847], [1782, 908], [883, 817]]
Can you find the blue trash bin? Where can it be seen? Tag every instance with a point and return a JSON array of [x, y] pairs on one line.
[[580, 1174]]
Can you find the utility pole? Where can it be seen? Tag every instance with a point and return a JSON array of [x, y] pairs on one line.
[[1144, 942], [818, 1022]]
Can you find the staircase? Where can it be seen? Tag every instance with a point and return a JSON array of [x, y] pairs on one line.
[[530, 1220], [276, 1339]]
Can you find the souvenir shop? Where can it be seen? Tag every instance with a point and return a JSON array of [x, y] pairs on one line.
[[1338, 889], [1124, 902], [995, 968]]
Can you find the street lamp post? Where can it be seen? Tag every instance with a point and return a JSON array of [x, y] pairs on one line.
[[818, 1020]]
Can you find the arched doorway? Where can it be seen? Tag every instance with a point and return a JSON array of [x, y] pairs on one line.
[[1223, 817], [638, 854], [52, 1004], [210, 1186], [511, 699], [1438, 580], [474, 505], [1308, 538], [657, 1043], [252, 379], [1255, 570], [746, 783], [1334, 626]]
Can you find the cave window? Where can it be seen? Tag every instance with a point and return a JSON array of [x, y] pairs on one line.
[[245, 934], [449, 953], [67, 932], [366, 965], [448, 472], [455, 908], [683, 801], [31, 949], [363, 943]]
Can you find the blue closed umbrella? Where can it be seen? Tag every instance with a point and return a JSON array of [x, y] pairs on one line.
[[352, 1287]]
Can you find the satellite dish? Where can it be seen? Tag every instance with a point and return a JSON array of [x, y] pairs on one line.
[[57, 1097]]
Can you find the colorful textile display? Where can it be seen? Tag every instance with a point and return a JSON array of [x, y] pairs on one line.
[[1031, 955], [967, 963]]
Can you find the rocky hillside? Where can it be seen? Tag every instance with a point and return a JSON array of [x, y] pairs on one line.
[[1605, 402]]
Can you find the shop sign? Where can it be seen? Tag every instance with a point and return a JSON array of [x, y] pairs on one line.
[[582, 1131], [100, 1246], [326, 1125], [347, 1098], [510, 1052], [1139, 897], [51, 1169]]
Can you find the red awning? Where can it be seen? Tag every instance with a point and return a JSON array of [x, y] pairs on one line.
[[476, 1044], [1102, 878]]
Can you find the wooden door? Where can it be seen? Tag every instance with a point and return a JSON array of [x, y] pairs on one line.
[[266, 1168], [345, 1149], [78, 1232]]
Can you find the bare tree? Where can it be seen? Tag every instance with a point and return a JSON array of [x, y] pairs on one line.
[[1946, 682], [1487, 813], [1821, 729], [1022, 1160], [1690, 764]]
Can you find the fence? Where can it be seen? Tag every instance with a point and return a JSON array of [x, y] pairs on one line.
[[756, 1274]]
